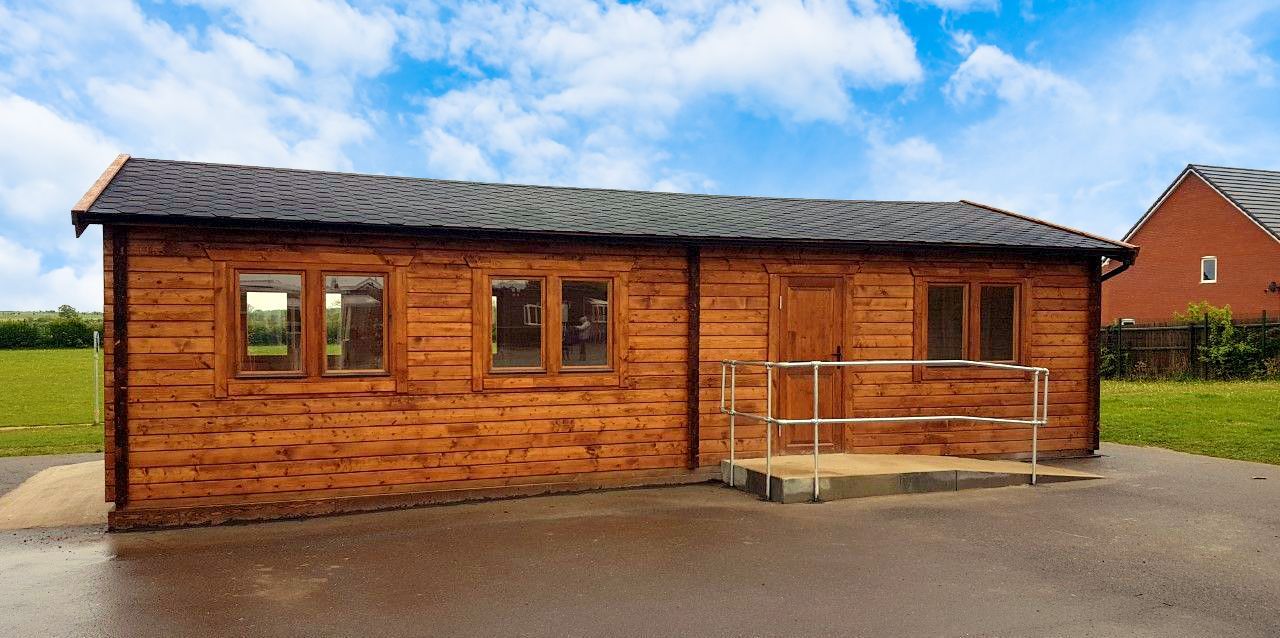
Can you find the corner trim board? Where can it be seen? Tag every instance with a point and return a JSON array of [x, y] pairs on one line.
[[694, 268], [120, 360]]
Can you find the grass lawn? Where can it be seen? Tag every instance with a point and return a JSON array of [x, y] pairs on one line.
[[46, 387], [52, 389], [1228, 419], [50, 439]]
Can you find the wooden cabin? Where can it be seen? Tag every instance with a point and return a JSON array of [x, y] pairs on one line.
[[286, 343]]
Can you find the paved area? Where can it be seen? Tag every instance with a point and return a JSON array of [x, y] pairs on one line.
[[58, 496], [801, 466], [1166, 545], [16, 469]]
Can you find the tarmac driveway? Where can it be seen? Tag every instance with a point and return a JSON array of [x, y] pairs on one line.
[[1168, 545]]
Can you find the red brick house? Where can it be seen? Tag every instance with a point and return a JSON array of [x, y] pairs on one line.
[[1214, 235]]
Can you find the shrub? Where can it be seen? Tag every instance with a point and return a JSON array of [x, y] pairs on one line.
[[65, 332], [1111, 364], [1227, 352], [19, 334]]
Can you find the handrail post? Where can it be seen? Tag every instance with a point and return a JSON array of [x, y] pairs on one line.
[[733, 411], [1035, 433], [816, 494], [768, 431], [1035, 419]]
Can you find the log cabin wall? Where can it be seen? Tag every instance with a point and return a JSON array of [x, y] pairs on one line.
[[739, 296], [202, 441], [199, 438]]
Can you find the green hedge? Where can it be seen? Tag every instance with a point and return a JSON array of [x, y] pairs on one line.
[[67, 330]]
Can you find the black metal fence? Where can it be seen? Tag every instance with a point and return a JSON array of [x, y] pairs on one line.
[[1178, 349]]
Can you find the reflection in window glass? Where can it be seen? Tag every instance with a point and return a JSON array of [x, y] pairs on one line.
[[997, 322], [585, 323], [516, 317], [353, 322], [946, 322], [271, 313]]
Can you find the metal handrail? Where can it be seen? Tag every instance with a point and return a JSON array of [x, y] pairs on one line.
[[1039, 406]]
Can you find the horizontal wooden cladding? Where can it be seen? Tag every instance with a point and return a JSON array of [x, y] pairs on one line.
[[394, 481], [265, 439], [880, 316], [298, 459]]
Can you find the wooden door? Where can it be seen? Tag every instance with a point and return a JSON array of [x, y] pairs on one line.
[[810, 327]]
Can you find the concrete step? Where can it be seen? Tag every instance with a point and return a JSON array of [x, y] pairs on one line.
[[858, 475]]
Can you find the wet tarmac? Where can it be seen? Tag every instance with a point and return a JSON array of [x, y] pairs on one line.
[[1167, 545]]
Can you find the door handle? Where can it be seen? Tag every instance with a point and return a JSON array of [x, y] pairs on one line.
[[839, 354]]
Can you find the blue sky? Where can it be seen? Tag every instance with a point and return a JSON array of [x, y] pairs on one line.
[[1077, 112]]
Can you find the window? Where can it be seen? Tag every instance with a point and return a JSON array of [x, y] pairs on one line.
[[354, 322], [516, 323], [1208, 270], [969, 319], [271, 320], [946, 322], [996, 312], [584, 323], [544, 328], [284, 329]]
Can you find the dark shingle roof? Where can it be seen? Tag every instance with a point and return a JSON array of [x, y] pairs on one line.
[[191, 191], [1254, 191]]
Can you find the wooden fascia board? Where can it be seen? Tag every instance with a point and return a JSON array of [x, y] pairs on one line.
[[95, 191], [1074, 231]]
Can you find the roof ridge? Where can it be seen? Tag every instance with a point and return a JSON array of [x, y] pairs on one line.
[[539, 186], [1230, 197], [1236, 168], [1050, 224]]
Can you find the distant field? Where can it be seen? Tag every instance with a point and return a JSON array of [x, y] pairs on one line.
[[1228, 419], [46, 387]]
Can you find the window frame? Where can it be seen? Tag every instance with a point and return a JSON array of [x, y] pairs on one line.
[[323, 336], [1215, 269], [544, 300], [612, 355], [314, 378], [240, 348], [971, 347], [553, 372]]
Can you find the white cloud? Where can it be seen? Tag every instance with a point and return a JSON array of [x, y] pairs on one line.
[[1093, 146], [24, 285], [590, 90], [326, 35], [82, 81], [988, 70]]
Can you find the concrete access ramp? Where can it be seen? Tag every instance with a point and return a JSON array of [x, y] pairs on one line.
[[856, 475]]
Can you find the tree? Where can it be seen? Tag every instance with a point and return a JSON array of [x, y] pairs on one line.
[[68, 312]]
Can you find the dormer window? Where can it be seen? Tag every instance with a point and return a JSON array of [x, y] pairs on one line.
[[1208, 270]]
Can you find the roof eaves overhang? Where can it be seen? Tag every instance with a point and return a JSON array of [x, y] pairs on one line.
[[1075, 231], [1120, 251]]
